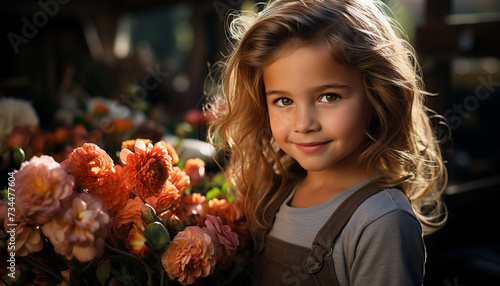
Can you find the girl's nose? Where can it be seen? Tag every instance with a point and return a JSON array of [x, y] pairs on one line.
[[306, 120]]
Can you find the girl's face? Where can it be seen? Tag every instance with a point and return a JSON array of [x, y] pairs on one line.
[[318, 109]]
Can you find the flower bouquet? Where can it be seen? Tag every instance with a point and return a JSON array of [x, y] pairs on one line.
[[148, 220]]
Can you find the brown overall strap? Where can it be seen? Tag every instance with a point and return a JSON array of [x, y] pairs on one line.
[[322, 245]]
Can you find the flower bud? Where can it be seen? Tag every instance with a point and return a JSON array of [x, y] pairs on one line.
[[156, 236], [148, 213], [19, 155], [174, 224]]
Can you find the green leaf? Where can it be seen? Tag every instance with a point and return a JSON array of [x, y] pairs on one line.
[[219, 179], [213, 193], [103, 271]]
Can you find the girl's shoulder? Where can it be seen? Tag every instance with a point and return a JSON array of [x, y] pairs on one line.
[[390, 204]]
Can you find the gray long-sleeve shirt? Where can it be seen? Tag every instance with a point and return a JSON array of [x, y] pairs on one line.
[[382, 244]]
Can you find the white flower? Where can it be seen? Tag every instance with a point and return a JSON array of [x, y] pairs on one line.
[[15, 112]]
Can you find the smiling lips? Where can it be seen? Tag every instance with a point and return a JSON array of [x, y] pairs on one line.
[[311, 147]]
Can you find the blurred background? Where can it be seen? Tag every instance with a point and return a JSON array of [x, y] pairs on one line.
[[109, 70]]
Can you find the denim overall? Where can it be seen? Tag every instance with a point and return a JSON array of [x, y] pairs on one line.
[[283, 263]]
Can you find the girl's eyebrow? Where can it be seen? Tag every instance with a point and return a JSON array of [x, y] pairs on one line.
[[312, 90]]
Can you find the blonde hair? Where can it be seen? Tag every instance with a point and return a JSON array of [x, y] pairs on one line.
[[400, 144]]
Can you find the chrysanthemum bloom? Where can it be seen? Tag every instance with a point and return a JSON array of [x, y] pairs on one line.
[[28, 236], [147, 169], [191, 255], [129, 144], [90, 165], [171, 152], [225, 241], [193, 209], [136, 243], [41, 184], [180, 179], [195, 169], [169, 198], [79, 229], [125, 218], [114, 193]]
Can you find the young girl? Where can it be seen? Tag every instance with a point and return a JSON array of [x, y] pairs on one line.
[[330, 144]]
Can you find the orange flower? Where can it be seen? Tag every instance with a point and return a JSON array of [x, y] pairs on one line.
[[193, 209], [123, 124], [195, 169], [147, 170], [126, 217], [129, 144], [90, 165], [179, 179], [114, 193], [136, 243], [169, 198], [171, 152], [191, 255]]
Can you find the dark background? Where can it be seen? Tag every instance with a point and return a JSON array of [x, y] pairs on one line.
[[52, 50]]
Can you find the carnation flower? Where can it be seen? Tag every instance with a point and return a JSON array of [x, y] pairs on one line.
[[232, 215], [125, 218], [191, 255], [195, 169], [90, 165], [147, 170], [41, 184], [136, 242], [79, 229], [28, 236], [225, 241], [179, 179], [168, 198]]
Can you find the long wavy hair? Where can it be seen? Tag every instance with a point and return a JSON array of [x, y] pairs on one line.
[[401, 148]]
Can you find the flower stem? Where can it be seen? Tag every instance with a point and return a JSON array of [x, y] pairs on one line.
[[43, 267], [133, 258]]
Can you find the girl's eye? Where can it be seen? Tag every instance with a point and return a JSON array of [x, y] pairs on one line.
[[329, 97], [283, 101]]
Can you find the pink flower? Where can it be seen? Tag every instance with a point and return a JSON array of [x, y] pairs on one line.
[[28, 237], [79, 229], [225, 241], [41, 185], [147, 169], [189, 256]]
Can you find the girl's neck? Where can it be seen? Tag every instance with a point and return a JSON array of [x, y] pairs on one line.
[[319, 187]]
